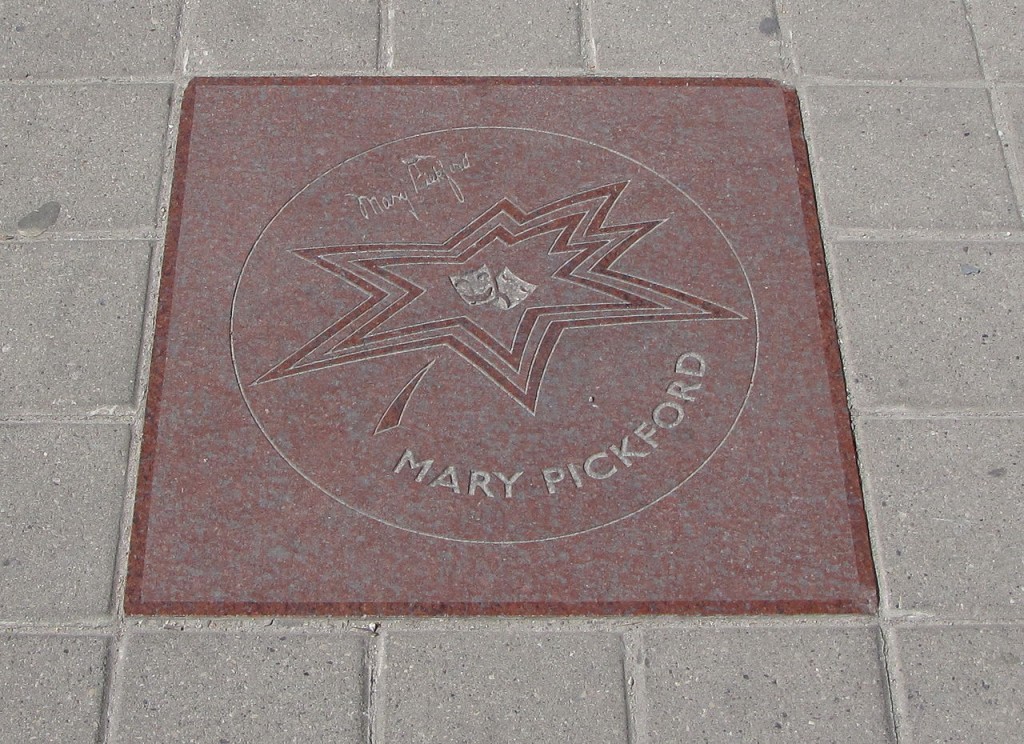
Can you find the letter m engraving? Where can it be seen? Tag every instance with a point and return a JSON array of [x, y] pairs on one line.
[[408, 459]]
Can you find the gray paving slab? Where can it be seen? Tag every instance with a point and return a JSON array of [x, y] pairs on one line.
[[999, 29], [909, 158], [301, 37], [883, 40], [241, 687], [96, 149], [470, 36], [934, 326], [691, 37], [961, 684], [61, 495], [948, 517], [51, 688], [733, 684], [72, 322], [57, 39], [524, 687]]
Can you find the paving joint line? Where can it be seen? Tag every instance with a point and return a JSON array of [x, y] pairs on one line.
[[906, 619], [871, 514], [386, 51], [787, 48], [587, 39], [111, 718], [824, 81], [614, 624], [375, 663], [68, 82], [277, 625], [385, 36], [181, 50], [1002, 125], [938, 414], [848, 234], [101, 628], [146, 339], [551, 72], [892, 679], [124, 416], [634, 678], [86, 236], [979, 56], [566, 625], [1013, 153], [106, 722]]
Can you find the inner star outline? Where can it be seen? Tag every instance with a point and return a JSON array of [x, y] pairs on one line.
[[577, 228]]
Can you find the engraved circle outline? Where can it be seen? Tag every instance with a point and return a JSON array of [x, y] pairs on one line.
[[550, 538]]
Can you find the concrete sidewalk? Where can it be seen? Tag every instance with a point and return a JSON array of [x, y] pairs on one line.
[[914, 113]]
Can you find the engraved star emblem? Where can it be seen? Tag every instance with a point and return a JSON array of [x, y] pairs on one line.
[[410, 304]]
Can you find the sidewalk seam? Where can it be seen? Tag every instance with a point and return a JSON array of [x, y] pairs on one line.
[[1003, 126], [386, 36], [1013, 157], [924, 414], [588, 42], [374, 664], [634, 673], [787, 55], [818, 81], [110, 712], [855, 234], [893, 681]]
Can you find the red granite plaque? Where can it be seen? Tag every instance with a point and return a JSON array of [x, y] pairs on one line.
[[518, 346]]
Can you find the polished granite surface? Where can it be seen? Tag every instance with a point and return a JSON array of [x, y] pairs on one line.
[[495, 346]]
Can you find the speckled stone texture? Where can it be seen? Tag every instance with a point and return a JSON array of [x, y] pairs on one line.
[[459, 346], [234, 687]]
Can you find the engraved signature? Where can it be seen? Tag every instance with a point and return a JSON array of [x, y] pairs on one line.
[[423, 172], [426, 171], [378, 205]]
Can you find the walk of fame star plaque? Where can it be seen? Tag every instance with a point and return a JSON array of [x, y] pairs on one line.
[[495, 346]]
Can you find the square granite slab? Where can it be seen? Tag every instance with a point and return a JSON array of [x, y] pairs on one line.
[[482, 346]]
